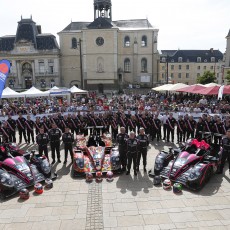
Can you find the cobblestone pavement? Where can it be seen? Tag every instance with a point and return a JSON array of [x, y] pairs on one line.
[[126, 203]]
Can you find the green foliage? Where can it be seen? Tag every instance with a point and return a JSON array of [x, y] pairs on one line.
[[207, 77], [228, 76]]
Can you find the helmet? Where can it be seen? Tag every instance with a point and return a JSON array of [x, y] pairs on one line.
[[99, 176], [109, 176], [177, 188], [89, 177], [49, 183], [24, 194], [157, 180], [167, 184], [38, 188]]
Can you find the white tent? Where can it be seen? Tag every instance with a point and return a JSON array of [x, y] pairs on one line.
[[34, 92], [162, 87], [76, 90], [177, 86], [9, 93], [211, 85]]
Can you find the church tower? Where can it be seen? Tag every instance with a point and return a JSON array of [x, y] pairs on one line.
[[103, 9], [227, 58]]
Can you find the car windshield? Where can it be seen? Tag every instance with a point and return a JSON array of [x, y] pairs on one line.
[[22, 167]]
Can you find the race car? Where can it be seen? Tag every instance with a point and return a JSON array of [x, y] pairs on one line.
[[192, 167], [95, 154], [17, 172]]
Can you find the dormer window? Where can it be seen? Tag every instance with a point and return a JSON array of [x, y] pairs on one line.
[[180, 59], [199, 59], [144, 41], [212, 59], [127, 41], [163, 59]]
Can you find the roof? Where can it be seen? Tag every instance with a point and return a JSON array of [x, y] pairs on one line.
[[27, 31], [228, 34], [192, 55], [106, 23]]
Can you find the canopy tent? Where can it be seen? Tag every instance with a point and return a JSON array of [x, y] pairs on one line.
[[76, 90], [9, 93], [177, 86], [191, 89], [162, 87], [34, 92], [213, 90], [211, 84], [226, 89]]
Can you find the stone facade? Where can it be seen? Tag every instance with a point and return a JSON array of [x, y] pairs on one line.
[[185, 66], [108, 55], [227, 55], [34, 57]]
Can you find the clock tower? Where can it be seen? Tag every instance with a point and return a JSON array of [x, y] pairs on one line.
[[103, 9]]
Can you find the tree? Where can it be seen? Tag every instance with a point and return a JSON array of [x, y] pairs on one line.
[[207, 77], [228, 77]]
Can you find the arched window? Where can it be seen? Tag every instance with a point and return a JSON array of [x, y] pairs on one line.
[[127, 65], [127, 41], [144, 65], [144, 41], [74, 43]]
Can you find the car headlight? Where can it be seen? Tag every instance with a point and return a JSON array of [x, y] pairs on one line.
[[6, 180], [194, 174], [159, 161]]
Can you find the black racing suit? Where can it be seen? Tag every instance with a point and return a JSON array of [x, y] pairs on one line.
[[122, 146], [143, 145], [12, 125], [54, 136], [132, 150], [42, 140], [68, 140], [225, 153]]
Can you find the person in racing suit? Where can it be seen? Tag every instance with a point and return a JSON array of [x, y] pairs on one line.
[[54, 137], [122, 147], [225, 152], [68, 140], [42, 139], [132, 150], [143, 145]]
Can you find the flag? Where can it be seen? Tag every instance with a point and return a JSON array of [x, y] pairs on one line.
[[4, 71], [220, 93]]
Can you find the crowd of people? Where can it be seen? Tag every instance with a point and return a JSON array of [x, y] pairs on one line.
[[154, 112]]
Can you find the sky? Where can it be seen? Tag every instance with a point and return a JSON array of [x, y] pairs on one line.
[[182, 24]]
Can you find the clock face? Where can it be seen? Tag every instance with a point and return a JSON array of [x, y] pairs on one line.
[[100, 41]]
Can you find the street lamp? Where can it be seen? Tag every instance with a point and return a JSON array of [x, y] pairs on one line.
[[81, 69]]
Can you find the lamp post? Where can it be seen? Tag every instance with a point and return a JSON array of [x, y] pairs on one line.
[[81, 69], [167, 69]]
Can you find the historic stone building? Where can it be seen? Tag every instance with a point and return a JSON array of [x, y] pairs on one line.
[[227, 55], [106, 54], [34, 57], [185, 66]]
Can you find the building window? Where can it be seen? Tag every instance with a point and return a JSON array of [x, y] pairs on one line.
[[41, 65], [144, 41], [172, 75], [198, 67], [172, 67], [179, 75], [144, 65], [52, 83], [43, 83], [211, 67], [217, 75], [198, 75], [172, 60], [187, 67], [179, 67], [163, 67], [180, 59], [127, 65], [205, 67], [199, 59], [163, 59], [163, 76], [50, 66], [218, 67], [127, 41], [74, 43], [212, 59], [187, 75]]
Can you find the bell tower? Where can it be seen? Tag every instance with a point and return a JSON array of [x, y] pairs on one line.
[[103, 9]]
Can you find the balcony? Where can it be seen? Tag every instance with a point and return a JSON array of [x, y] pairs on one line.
[[46, 74]]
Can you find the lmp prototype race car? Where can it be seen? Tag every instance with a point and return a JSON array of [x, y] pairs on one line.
[[17, 172], [96, 154], [192, 166]]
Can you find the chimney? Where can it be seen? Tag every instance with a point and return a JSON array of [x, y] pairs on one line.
[[211, 50], [39, 28]]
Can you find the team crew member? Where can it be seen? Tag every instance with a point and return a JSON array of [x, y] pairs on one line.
[[12, 126], [199, 128], [68, 140], [171, 121], [132, 151], [42, 139], [156, 128], [122, 147], [21, 128], [29, 129], [225, 151], [180, 129], [54, 137], [143, 145], [191, 127], [5, 133]]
